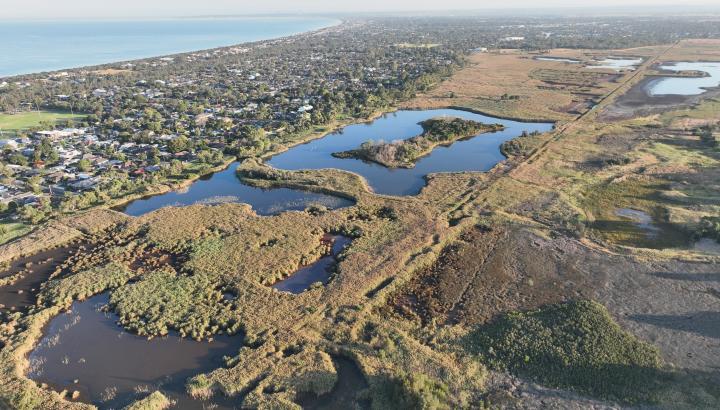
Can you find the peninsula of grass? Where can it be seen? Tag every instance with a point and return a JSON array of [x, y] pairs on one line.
[[13, 124], [404, 153]]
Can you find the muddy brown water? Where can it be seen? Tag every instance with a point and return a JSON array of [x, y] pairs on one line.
[[37, 269], [85, 350], [319, 271]]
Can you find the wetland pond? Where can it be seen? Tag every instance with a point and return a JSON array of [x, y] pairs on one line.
[[559, 60], [664, 91], [224, 186], [685, 85], [480, 153], [617, 63], [640, 219], [30, 272], [85, 350], [318, 271]]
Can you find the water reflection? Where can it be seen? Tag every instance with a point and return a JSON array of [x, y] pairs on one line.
[[686, 85], [84, 350]]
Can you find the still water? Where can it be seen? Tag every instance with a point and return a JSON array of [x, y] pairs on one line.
[[686, 85], [618, 63], [558, 59], [318, 271], [224, 186], [474, 154], [84, 350]]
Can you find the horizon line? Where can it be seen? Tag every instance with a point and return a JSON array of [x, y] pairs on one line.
[[688, 10]]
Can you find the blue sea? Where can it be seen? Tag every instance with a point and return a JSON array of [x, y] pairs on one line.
[[30, 47]]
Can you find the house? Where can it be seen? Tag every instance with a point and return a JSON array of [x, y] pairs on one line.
[[202, 119], [68, 155], [84, 184], [8, 144], [56, 177], [57, 191], [100, 92]]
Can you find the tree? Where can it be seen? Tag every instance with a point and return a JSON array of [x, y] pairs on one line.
[[83, 165], [707, 136], [35, 183], [32, 214], [179, 144], [176, 167], [18, 159]]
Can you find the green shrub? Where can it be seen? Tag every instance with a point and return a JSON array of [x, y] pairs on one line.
[[415, 391], [572, 345], [709, 227]]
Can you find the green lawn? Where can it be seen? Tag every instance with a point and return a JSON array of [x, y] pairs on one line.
[[10, 124], [12, 230]]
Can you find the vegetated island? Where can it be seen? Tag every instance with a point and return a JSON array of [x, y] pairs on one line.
[[404, 153]]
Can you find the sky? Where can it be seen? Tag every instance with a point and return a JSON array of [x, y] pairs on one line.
[[80, 9]]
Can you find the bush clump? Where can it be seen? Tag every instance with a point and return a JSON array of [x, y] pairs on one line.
[[416, 391], [709, 227], [572, 345]]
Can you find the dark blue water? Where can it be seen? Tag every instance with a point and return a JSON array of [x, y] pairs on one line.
[[475, 154], [29, 47]]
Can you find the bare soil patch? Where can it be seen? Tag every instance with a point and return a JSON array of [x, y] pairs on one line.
[[637, 102]]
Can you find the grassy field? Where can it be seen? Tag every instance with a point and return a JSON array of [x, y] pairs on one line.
[[514, 84], [12, 230], [11, 124]]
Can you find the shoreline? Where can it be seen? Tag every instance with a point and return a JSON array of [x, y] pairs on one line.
[[335, 23], [167, 188]]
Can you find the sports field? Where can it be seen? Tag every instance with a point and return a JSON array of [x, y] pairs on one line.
[[10, 124]]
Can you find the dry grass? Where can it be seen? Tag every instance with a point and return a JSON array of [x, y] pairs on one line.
[[155, 401], [687, 50], [489, 76], [52, 235], [110, 72]]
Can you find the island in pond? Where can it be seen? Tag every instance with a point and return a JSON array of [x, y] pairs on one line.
[[404, 153]]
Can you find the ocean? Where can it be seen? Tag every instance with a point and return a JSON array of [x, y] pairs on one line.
[[30, 47]]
